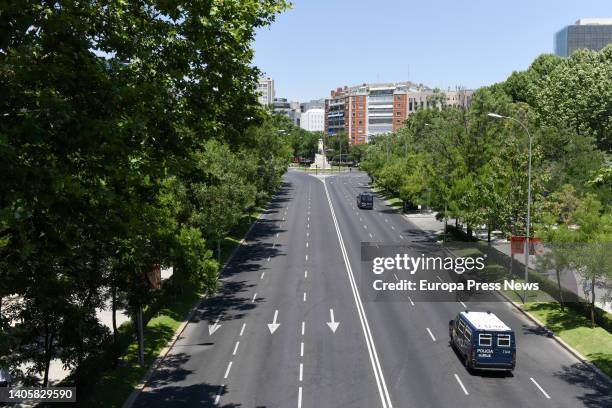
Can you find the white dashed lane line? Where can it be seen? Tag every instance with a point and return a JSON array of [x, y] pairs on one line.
[[461, 384], [430, 334], [539, 387]]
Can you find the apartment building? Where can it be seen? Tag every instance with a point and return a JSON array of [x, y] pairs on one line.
[[265, 90], [368, 110], [312, 120], [590, 33]]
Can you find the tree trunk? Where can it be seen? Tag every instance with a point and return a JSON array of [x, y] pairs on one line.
[[593, 302], [489, 233], [457, 223], [469, 231], [114, 317], [560, 291]]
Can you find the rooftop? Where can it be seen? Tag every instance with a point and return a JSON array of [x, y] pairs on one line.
[[485, 321], [594, 21]]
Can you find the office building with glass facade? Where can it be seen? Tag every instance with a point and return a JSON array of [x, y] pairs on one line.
[[590, 33]]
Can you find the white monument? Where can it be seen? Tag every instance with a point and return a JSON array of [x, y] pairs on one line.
[[320, 161]]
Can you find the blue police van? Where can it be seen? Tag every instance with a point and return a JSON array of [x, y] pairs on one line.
[[483, 340]]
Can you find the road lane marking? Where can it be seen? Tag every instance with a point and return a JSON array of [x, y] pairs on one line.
[[218, 396], [242, 329], [430, 334], [227, 371], [273, 326], [304, 296], [365, 326], [301, 371], [235, 348], [439, 278], [371, 235], [410, 299], [396, 278], [262, 275], [306, 257], [307, 233], [303, 327], [268, 259], [365, 226], [540, 388], [305, 274], [212, 328], [302, 349], [299, 397], [392, 227], [463, 304], [306, 244], [401, 237], [277, 235], [461, 384], [386, 220], [273, 245], [254, 296]]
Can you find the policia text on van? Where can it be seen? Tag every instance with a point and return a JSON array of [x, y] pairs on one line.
[[483, 340]]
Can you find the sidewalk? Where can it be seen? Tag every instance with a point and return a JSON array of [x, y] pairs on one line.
[[571, 281]]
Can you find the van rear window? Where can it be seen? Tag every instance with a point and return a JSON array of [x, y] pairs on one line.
[[366, 198], [503, 340], [484, 340]]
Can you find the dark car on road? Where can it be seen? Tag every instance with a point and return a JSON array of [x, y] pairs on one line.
[[365, 200]]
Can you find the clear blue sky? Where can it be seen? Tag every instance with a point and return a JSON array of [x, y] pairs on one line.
[[323, 44]]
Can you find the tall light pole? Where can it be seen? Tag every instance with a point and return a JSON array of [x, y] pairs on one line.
[[497, 116]]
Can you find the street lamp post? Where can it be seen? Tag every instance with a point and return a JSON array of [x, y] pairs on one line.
[[497, 116]]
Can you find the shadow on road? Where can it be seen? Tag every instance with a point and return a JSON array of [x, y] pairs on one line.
[[597, 390]]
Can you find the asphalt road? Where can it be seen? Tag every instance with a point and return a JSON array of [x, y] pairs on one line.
[[268, 338]]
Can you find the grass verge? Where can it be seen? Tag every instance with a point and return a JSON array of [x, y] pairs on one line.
[[593, 343]]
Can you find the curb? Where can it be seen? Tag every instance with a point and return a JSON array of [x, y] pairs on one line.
[[164, 352], [556, 338]]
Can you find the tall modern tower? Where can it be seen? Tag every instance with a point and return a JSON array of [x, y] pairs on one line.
[[590, 33]]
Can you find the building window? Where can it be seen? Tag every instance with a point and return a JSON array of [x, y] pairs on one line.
[[398, 113], [361, 122], [360, 130], [398, 105], [398, 121]]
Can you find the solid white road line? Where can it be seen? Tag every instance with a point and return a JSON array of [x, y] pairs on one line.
[[229, 367], [461, 384], [430, 334], [540, 388], [302, 349], [365, 326], [242, 329], [235, 348], [299, 397]]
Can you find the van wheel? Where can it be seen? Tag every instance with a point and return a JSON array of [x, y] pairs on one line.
[[467, 364]]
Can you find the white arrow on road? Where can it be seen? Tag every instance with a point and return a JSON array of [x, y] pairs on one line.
[[333, 325], [212, 328], [273, 326]]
